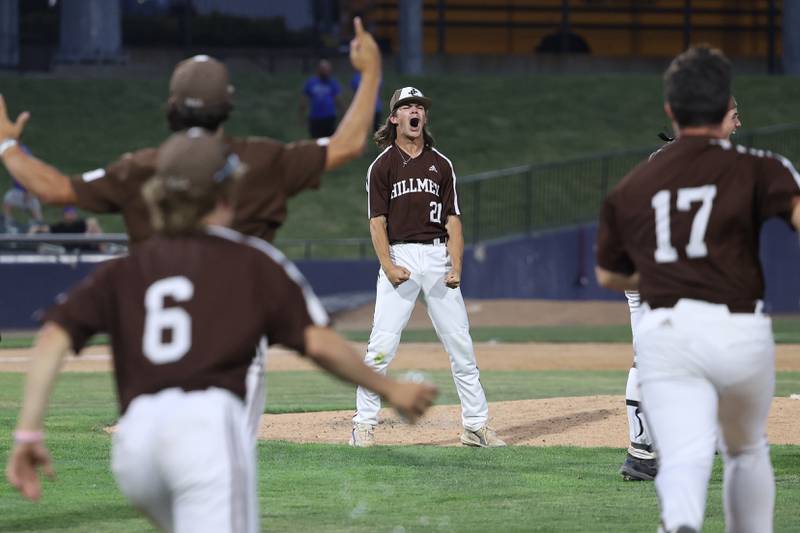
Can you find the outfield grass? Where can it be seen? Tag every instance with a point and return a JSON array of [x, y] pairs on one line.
[[310, 487], [786, 331], [482, 123]]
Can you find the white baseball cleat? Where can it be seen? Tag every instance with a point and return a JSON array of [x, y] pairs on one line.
[[363, 435], [485, 437]]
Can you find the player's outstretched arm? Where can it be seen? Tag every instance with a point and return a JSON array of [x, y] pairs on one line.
[[616, 281], [39, 178], [29, 452], [331, 352], [350, 138]]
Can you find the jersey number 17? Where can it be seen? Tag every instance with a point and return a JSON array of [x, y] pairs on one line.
[[696, 247]]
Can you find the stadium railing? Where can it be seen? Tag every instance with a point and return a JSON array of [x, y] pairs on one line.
[[496, 204]]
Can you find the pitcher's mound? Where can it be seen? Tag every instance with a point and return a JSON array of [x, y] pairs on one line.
[[577, 421]]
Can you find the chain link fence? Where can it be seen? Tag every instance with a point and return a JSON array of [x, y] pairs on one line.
[[496, 204]]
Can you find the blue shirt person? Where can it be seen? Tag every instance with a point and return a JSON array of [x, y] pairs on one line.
[[322, 92]]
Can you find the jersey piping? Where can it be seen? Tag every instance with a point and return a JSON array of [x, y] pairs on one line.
[[315, 308]]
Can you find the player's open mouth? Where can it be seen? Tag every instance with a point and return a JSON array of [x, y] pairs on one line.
[[414, 122]]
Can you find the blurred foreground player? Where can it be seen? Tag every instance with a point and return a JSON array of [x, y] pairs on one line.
[[183, 312]]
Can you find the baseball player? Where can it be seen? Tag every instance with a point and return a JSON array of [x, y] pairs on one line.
[[640, 461], [683, 229], [417, 235], [201, 96], [181, 452]]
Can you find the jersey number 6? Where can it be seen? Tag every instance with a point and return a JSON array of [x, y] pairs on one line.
[[665, 252], [159, 320]]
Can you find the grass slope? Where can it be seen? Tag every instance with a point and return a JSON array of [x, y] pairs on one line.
[[482, 123]]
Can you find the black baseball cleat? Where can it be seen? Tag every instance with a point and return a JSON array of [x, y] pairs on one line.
[[635, 469], [686, 529]]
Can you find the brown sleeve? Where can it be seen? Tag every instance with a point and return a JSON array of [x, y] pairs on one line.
[[449, 197], [100, 190], [611, 254], [301, 164], [108, 190], [778, 187], [86, 309], [378, 188], [290, 301]]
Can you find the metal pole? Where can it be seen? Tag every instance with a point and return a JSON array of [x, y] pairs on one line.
[[529, 201], [687, 24], [771, 61], [476, 213], [564, 46], [411, 37], [9, 33], [187, 27], [441, 37], [604, 178], [791, 38]]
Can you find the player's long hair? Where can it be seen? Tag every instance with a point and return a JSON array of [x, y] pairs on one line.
[[176, 212], [387, 134]]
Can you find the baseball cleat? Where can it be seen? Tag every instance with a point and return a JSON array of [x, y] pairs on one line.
[[635, 469], [363, 435], [482, 438]]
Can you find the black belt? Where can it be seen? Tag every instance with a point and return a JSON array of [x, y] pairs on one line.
[[737, 307], [437, 240]]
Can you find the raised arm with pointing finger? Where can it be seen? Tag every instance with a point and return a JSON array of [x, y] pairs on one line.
[[201, 96]]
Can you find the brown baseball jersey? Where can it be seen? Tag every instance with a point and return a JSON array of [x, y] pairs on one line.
[[275, 172], [416, 195], [689, 219], [186, 312]]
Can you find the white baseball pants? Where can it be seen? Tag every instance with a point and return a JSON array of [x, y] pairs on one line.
[[640, 436], [256, 387], [186, 461], [706, 372], [428, 264]]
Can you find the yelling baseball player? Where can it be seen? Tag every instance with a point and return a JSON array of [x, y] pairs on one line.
[[200, 95], [414, 221], [640, 461], [181, 453], [683, 229]]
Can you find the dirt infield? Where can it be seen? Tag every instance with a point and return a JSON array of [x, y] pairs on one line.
[[431, 356], [577, 421]]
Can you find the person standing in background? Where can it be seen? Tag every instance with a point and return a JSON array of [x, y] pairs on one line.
[[322, 92]]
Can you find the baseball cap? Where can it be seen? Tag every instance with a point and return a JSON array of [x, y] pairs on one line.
[[201, 82], [407, 95], [195, 162]]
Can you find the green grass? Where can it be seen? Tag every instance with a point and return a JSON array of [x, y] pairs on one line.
[[786, 331], [482, 123], [311, 487]]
